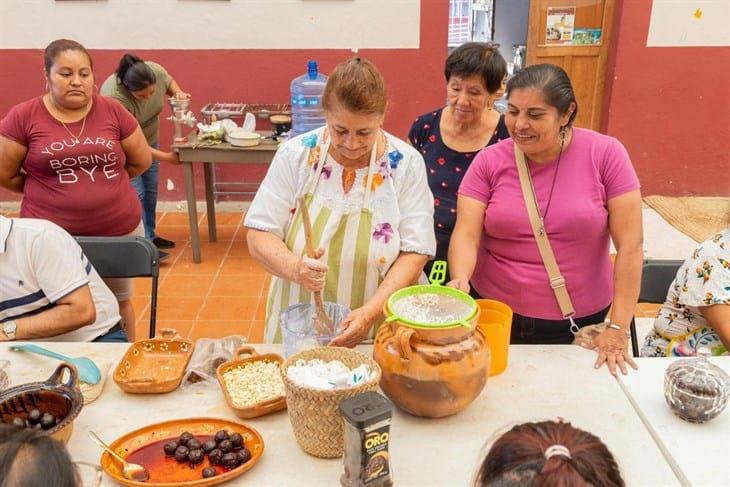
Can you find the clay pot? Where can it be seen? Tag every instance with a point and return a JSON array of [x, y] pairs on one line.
[[61, 399], [431, 372]]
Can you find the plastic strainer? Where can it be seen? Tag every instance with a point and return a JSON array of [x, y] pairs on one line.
[[432, 305]]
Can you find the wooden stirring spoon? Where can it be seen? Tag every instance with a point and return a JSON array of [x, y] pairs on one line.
[[323, 324]]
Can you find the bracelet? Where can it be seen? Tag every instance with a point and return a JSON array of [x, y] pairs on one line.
[[614, 326]]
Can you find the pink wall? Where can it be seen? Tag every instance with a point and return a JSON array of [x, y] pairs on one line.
[[670, 106], [414, 77]]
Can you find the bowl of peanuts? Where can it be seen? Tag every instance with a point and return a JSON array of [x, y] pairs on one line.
[[252, 384]]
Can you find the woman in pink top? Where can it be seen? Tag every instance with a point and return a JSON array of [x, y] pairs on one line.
[[72, 154], [587, 194]]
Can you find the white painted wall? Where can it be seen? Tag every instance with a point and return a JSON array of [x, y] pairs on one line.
[[212, 24], [689, 23]]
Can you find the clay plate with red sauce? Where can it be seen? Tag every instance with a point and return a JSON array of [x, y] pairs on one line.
[[145, 447]]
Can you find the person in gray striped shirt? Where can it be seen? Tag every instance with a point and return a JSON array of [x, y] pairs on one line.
[[48, 288]]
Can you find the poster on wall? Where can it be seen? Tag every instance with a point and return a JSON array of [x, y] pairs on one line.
[[560, 22], [689, 23], [587, 37]]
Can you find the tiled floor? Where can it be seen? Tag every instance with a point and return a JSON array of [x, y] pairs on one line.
[[223, 295]]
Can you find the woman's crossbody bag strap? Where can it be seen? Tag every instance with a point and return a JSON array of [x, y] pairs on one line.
[[557, 281]]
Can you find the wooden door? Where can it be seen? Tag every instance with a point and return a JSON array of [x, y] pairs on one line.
[[584, 63]]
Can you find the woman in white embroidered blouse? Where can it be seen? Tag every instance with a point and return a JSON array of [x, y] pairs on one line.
[[370, 204]]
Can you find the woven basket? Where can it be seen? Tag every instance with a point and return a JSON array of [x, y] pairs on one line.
[[314, 414]]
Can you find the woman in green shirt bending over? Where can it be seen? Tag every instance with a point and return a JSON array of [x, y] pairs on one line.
[[141, 87]]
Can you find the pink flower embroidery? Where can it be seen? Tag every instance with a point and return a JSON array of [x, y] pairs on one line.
[[326, 170], [383, 231]]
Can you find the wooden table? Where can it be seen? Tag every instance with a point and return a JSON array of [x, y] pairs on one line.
[[541, 382], [189, 154], [699, 454]]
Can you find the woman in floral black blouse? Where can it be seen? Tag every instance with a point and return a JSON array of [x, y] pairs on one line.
[[450, 137]]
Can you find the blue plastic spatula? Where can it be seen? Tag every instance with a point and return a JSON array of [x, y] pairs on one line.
[[88, 371]]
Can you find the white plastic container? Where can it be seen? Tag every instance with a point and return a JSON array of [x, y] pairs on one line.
[[242, 138]]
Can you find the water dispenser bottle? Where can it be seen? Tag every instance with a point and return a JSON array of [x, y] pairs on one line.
[[306, 100]]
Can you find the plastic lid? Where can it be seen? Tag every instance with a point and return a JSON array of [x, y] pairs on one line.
[[312, 69], [365, 409]]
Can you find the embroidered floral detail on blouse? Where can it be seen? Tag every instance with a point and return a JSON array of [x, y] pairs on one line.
[[309, 140], [326, 170], [314, 156], [383, 231], [395, 157], [378, 180]]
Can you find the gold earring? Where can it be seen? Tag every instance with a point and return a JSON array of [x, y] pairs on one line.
[[563, 133]]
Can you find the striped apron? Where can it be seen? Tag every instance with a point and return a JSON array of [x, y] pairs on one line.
[[357, 261]]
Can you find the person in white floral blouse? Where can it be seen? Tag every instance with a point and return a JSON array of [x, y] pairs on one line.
[[696, 313], [370, 205]]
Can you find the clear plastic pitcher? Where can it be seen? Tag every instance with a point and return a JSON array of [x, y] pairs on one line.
[[297, 326]]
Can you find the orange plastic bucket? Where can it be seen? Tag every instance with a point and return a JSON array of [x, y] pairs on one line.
[[495, 322]]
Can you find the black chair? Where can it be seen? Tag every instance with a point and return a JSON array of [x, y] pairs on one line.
[[656, 277], [125, 257]]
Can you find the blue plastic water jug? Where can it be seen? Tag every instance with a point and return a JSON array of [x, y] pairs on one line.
[[306, 100]]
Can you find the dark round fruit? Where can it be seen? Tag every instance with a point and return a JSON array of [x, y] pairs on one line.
[[34, 416], [236, 440], [215, 456], [209, 446], [194, 444], [17, 421], [243, 455], [230, 460], [196, 456], [208, 472], [225, 446], [185, 437], [170, 448], [181, 454], [221, 435], [47, 421]]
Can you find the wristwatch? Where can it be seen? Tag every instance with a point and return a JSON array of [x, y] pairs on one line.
[[9, 328]]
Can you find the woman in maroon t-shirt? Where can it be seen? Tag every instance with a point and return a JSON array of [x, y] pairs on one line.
[[72, 154]]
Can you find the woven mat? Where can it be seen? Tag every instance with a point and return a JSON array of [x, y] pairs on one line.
[[699, 218]]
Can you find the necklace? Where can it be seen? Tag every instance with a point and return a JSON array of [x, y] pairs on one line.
[[74, 138], [552, 187]]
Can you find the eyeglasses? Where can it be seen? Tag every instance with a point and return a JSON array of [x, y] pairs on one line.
[[89, 474]]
